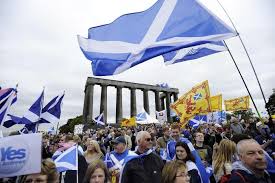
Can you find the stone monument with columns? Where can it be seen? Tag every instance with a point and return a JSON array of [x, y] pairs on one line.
[[161, 94]]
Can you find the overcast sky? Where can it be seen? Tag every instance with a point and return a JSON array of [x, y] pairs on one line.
[[38, 47]]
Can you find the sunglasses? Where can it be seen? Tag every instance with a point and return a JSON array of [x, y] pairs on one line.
[[149, 139]]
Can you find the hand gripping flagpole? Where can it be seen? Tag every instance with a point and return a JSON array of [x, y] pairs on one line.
[[242, 79], [247, 57]]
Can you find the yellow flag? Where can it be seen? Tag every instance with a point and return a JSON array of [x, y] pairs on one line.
[[129, 122], [216, 103], [273, 116], [196, 101], [237, 104]]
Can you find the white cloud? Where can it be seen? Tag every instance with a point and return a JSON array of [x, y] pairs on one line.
[[39, 48]]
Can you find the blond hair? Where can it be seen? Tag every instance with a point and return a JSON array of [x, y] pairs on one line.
[[227, 149], [96, 145]]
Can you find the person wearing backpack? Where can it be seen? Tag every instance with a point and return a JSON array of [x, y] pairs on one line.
[[252, 165]]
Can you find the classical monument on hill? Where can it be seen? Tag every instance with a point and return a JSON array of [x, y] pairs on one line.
[[162, 97]]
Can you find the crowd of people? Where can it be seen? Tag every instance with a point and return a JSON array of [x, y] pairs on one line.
[[239, 151]]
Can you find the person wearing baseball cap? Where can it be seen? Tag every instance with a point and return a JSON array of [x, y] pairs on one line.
[[116, 159]]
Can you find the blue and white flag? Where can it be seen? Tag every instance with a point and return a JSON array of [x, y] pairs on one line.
[[167, 26], [163, 85], [68, 160], [7, 98], [144, 118], [197, 120], [11, 120], [193, 52], [52, 111], [99, 120], [216, 117], [34, 112]]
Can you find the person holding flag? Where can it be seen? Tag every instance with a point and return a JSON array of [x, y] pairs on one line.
[[72, 175], [171, 151], [116, 159]]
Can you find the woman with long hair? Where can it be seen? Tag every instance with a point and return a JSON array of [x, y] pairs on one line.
[[93, 151], [175, 172], [222, 162], [97, 172], [184, 154]]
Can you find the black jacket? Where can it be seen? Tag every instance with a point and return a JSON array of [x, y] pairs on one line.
[[145, 169], [241, 174]]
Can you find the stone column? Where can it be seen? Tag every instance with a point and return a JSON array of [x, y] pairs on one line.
[[146, 101], [88, 104], [168, 112], [103, 102], [162, 106], [157, 100], [118, 104], [133, 102], [175, 95]]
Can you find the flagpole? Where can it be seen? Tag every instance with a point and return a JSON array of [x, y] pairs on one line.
[[57, 127], [77, 163], [242, 79], [247, 55]]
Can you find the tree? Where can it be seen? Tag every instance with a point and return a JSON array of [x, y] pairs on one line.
[[244, 114], [270, 105], [69, 126]]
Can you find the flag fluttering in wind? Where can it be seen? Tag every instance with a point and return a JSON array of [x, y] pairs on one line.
[[7, 98], [11, 120], [68, 160], [50, 114], [193, 52], [99, 120], [237, 104], [197, 120], [168, 25], [34, 112], [144, 118], [129, 122], [196, 101], [216, 103], [52, 111]]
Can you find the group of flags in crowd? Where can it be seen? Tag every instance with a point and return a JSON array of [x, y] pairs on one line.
[[178, 30], [195, 107], [198, 104], [36, 114]]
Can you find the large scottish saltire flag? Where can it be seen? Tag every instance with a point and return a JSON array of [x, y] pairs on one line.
[[7, 98], [52, 111], [68, 160], [194, 52], [168, 25]]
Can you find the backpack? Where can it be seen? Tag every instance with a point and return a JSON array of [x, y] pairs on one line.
[[225, 178]]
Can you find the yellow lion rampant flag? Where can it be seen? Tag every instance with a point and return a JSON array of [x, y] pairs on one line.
[[196, 101], [216, 103], [128, 122], [237, 104]]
